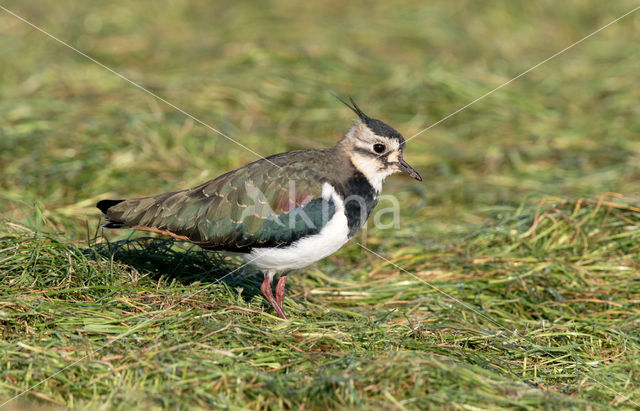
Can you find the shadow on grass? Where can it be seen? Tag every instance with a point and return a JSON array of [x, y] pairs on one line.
[[172, 260]]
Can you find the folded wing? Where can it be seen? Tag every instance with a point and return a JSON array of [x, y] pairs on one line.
[[259, 205]]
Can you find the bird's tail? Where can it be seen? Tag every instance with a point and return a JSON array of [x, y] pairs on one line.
[[137, 212], [104, 206], [153, 214]]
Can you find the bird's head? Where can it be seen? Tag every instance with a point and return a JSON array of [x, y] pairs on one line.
[[375, 148]]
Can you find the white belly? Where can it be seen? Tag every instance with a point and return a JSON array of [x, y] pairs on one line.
[[310, 249]]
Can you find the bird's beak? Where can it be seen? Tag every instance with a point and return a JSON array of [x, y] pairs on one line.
[[408, 170]]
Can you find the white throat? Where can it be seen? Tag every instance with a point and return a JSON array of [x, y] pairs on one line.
[[371, 171]]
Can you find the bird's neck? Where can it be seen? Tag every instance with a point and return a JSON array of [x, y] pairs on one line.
[[360, 198]]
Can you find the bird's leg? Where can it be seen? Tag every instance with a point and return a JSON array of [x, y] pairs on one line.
[[280, 290], [268, 294]]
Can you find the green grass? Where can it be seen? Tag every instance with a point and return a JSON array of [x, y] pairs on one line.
[[513, 282]]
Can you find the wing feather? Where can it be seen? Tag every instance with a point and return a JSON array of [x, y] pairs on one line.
[[259, 205]]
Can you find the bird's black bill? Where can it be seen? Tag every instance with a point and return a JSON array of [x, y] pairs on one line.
[[408, 170]]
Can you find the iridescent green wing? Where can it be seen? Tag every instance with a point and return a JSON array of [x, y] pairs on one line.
[[259, 205]]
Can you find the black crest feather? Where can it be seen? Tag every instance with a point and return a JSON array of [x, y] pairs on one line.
[[376, 126], [353, 106]]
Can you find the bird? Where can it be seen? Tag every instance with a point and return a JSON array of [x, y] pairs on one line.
[[285, 211]]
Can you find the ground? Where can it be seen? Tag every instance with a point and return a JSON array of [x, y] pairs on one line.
[[513, 280]]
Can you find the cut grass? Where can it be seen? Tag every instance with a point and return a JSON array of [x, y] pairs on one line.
[[522, 278], [553, 311]]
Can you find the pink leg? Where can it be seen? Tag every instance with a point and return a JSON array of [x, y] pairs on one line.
[[280, 291], [268, 294]]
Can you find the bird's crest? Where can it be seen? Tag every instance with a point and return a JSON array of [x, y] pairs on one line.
[[376, 126], [353, 106]]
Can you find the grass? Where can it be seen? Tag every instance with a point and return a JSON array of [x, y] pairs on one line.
[[513, 281]]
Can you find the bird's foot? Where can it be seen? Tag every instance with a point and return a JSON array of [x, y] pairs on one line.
[[282, 281], [268, 294]]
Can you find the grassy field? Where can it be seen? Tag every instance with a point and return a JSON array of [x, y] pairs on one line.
[[513, 282]]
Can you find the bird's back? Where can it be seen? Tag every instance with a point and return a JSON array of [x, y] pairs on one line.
[[270, 202]]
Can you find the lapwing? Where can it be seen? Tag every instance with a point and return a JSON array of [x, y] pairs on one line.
[[285, 211]]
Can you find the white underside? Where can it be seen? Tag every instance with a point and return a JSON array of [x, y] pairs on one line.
[[308, 250]]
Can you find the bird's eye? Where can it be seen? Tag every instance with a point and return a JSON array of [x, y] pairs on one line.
[[379, 148]]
